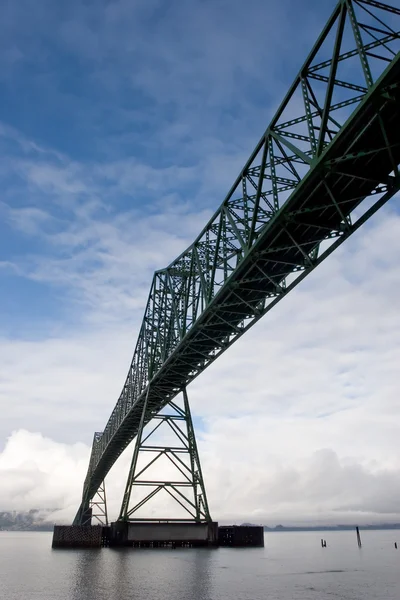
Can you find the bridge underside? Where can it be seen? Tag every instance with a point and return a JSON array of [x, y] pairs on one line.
[[339, 183]]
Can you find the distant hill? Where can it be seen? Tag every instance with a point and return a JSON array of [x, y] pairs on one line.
[[38, 520], [32, 520], [278, 528], [333, 527]]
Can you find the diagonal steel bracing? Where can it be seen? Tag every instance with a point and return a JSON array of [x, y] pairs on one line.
[[97, 513], [185, 483], [331, 150]]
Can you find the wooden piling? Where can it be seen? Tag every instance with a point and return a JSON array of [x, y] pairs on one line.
[[358, 538]]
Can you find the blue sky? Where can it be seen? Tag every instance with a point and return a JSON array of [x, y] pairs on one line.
[[122, 126], [118, 107], [113, 107]]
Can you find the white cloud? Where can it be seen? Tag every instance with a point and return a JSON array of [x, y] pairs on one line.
[[38, 472], [299, 418], [253, 484]]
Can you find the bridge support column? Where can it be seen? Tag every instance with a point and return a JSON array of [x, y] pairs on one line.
[[97, 509], [166, 461]]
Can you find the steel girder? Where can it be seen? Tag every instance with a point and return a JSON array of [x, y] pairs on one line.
[[332, 148]]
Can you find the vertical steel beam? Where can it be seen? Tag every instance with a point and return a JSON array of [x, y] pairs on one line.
[[332, 77], [198, 480], [132, 470], [98, 508]]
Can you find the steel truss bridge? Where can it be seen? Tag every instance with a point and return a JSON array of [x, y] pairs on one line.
[[327, 162]]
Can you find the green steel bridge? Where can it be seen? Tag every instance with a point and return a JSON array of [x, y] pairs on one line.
[[326, 163]]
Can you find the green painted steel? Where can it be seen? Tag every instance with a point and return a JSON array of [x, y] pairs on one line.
[[188, 491], [332, 149]]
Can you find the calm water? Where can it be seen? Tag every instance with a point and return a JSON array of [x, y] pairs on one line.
[[292, 566]]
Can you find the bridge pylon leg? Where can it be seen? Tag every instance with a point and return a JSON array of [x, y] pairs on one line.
[[97, 513], [170, 468]]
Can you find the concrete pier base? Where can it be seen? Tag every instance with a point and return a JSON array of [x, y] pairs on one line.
[[153, 535], [157, 535], [76, 536]]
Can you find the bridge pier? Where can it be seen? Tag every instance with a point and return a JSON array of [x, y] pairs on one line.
[[158, 535], [178, 478], [77, 536]]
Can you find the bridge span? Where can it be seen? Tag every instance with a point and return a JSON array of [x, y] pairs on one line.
[[326, 163]]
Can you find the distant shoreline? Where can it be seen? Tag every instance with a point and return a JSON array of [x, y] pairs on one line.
[[278, 529], [332, 528]]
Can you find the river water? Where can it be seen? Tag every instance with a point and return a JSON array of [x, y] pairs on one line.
[[292, 566]]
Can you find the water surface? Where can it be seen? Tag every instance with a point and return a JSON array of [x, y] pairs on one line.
[[292, 566]]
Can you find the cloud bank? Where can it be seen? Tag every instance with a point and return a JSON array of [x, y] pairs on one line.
[[320, 487]]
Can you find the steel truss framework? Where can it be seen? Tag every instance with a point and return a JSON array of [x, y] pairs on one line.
[[188, 491], [96, 506], [97, 513], [332, 148]]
